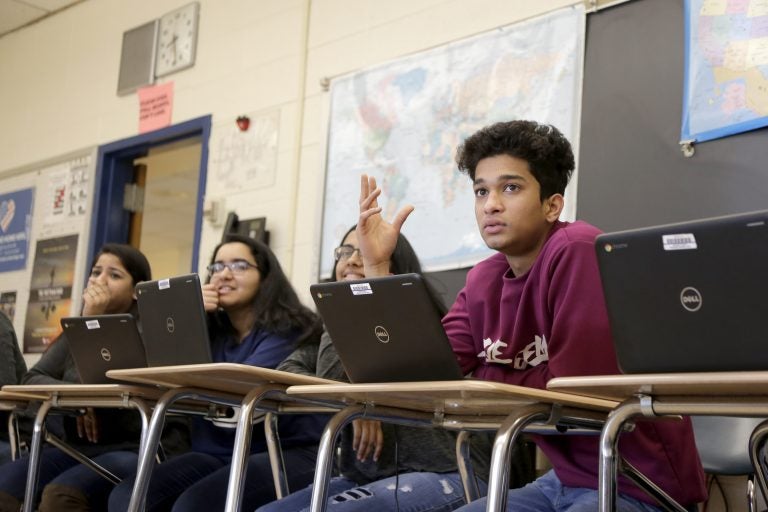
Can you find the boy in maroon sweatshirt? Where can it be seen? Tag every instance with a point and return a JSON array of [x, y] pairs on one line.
[[535, 311]]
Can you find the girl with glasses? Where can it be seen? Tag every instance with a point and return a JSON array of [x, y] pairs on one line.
[[256, 318]]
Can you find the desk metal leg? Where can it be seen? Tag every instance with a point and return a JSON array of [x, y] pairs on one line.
[[498, 483], [82, 459], [466, 470], [33, 471], [241, 451], [609, 439], [325, 455], [151, 440], [149, 443], [757, 444], [144, 412], [275, 453], [13, 435]]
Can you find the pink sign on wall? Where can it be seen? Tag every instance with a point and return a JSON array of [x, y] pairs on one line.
[[155, 107]]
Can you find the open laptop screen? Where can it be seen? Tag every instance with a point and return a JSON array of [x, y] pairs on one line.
[[688, 297], [101, 343], [173, 321], [386, 329]]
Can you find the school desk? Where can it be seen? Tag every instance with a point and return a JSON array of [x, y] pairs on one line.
[[76, 396], [737, 394], [249, 387], [461, 405]]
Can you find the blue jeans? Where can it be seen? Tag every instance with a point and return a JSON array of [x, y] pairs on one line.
[[416, 492], [81, 488], [188, 481], [5, 452], [548, 494], [58, 467]]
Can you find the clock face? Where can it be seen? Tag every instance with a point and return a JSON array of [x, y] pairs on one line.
[[177, 39]]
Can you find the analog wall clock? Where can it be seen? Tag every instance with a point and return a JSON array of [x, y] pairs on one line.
[[177, 39]]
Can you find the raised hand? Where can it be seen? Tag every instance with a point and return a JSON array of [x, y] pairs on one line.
[[376, 237]]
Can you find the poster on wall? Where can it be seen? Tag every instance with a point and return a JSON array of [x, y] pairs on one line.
[[67, 195], [50, 293], [402, 122], [244, 153], [8, 304], [15, 224]]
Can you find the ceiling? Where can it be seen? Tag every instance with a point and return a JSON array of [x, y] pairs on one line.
[[15, 14]]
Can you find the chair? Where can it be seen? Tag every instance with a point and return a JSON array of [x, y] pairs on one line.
[[724, 448]]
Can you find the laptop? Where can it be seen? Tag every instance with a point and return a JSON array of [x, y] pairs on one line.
[[101, 343], [688, 297], [386, 329], [173, 321]]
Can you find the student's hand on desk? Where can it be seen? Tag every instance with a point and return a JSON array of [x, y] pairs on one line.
[[210, 298], [88, 426], [367, 439], [96, 298], [376, 237]]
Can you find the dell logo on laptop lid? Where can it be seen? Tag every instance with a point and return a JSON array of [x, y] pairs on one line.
[[381, 334], [690, 298]]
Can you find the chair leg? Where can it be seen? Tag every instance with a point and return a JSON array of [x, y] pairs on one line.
[[751, 498]]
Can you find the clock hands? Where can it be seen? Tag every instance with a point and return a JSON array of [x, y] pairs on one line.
[[172, 44]]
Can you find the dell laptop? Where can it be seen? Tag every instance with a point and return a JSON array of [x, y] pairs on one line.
[[101, 343], [173, 321], [386, 329], [688, 297]]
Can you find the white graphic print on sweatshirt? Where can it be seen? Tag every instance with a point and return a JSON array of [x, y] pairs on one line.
[[533, 354]]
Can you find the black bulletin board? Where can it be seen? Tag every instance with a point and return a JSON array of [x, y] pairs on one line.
[[631, 170]]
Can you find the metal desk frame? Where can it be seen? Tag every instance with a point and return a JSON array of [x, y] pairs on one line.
[[737, 394], [248, 387], [458, 405]]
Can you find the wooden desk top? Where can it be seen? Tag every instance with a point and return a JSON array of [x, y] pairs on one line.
[[225, 377], [9, 400], [464, 397], [6, 394], [621, 387], [85, 390]]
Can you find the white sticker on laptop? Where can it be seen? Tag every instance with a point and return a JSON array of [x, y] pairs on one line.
[[361, 289], [92, 324], [679, 242], [163, 284]]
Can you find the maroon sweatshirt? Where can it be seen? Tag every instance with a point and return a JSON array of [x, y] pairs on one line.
[[552, 322]]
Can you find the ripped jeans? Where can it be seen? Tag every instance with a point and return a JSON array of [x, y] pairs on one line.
[[422, 492]]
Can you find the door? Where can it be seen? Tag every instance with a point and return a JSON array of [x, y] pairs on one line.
[[163, 223], [166, 223]]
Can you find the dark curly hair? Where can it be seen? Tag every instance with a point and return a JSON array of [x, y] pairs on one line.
[[543, 146]]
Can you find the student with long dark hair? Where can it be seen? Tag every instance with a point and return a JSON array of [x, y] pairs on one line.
[[255, 318], [109, 435]]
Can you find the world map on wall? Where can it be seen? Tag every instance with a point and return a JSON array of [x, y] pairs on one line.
[[726, 79], [401, 122]]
